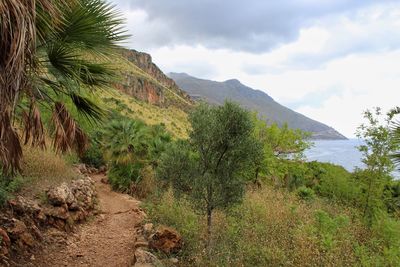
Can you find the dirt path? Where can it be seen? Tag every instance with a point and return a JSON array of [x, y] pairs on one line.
[[107, 240]]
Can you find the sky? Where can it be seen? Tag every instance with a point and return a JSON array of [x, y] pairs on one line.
[[327, 59]]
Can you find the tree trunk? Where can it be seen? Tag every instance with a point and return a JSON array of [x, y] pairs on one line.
[[209, 223]]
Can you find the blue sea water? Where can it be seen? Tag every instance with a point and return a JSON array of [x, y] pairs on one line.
[[340, 152]]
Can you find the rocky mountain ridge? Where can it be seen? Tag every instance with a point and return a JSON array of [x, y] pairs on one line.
[[256, 100]]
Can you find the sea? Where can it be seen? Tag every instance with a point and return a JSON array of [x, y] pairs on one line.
[[339, 152]]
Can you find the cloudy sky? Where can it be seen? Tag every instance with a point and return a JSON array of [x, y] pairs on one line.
[[327, 59]]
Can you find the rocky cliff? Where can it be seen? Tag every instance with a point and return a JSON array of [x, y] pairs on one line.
[[143, 80]]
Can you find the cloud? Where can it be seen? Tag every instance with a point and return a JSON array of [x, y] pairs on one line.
[[254, 26], [329, 60]]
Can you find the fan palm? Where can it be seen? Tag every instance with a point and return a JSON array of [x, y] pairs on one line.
[[159, 141], [125, 141], [52, 54], [395, 132]]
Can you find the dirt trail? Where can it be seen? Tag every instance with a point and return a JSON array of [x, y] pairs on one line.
[[107, 240]]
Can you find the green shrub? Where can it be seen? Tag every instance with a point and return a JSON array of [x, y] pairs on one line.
[[93, 156], [305, 193], [333, 182], [8, 187], [326, 228], [123, 176]]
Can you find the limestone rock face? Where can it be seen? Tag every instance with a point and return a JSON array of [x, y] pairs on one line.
[[166, 239], [149, 83]]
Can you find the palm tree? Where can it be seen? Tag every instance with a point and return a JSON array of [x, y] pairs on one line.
[[395, 134], [125, 141], [159, 141], [52, 54]]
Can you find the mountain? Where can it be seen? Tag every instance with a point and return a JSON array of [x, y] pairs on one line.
[[217, 92], [142, 79]]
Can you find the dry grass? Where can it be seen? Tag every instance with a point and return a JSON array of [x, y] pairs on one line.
[[42, 169], [272, 228], [147, 184]]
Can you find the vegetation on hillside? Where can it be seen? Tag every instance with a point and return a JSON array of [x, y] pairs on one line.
[[298, 214], [238, 189]]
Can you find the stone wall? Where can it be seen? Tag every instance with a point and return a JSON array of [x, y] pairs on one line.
[[24, 221]]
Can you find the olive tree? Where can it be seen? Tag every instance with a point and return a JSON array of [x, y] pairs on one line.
[[211, 167]]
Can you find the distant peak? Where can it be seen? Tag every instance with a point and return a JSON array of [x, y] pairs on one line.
[[233, 81], [178, 74]]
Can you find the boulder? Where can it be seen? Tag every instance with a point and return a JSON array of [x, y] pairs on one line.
[[60, 195], [167, 240], [144, 258]]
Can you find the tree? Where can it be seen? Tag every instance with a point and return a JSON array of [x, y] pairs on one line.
[[279, 143], [377, 150], [53, 53], [395, 134], [211, 167]]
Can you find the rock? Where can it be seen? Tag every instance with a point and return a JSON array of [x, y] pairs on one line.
[[81, 168], [5, 242], [60, 195], [104, 180], [36, 233], [41, 216], [167, 240], [92, 170], [147, 229], [174, 260], [16, 228], [22, 206], [144, 258], [77, 216], [27, 239], [57, 212]]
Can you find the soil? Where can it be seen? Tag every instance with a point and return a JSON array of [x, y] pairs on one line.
[[107, 239]]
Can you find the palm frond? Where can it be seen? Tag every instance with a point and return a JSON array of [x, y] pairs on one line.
[[93, 25], [34, 127], [10, 147], [67, 133], [87, 107]]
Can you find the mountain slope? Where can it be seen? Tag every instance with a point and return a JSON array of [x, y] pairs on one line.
[[142, 91], [216, 93]]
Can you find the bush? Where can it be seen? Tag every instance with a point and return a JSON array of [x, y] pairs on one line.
[[8, 187], [123, 176], [93, 156], [334, 182], [305, 193]]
